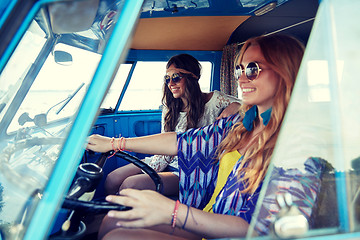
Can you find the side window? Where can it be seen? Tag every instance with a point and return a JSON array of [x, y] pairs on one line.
[[145, 89], [116, 87]]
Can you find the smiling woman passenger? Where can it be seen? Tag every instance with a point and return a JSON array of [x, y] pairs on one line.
[[185, 106], [223, 165]]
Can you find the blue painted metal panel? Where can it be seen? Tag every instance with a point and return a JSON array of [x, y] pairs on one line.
[[5, 8], [168, 8], [125, 123]]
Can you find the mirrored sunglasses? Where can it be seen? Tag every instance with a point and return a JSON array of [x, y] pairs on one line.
[[252, 71], [175, 78]]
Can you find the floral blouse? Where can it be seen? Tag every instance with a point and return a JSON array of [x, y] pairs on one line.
[[217, 103]]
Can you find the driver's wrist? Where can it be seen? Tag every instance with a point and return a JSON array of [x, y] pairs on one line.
[[112, 146], [117, 144]]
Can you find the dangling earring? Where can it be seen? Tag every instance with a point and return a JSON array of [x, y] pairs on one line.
[[266, 116], [251, 115], [249, 118]]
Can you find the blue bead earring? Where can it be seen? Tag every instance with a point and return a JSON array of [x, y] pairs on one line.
[[251, 115]]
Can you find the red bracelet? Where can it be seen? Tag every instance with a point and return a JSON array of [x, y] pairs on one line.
[[119, 144], [174, 214], [112, 144], [122, 144]]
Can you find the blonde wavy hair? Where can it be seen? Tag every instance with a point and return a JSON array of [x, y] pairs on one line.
[[283, 55]]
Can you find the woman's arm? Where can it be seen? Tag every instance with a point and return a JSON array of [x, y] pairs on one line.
[[150, 208], [231, 109], [163, 144]]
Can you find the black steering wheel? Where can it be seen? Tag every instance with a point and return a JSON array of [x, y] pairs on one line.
[[87, 180], [89, 175]]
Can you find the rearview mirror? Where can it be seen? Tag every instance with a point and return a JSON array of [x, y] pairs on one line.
[[62, 57]]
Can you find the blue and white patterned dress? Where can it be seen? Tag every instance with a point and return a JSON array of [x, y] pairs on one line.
[[198, 176]]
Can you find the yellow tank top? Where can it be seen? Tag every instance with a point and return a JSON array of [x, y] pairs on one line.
[[227, 163]]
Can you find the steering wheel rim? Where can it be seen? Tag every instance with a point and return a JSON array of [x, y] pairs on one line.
[[143, 166], [95, 207]]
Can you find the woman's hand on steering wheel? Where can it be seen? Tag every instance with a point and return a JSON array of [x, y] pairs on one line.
[[149, 208], [98, 143]]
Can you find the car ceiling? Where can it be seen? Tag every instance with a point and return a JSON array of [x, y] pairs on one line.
[[212, 33], [185, 33], [202, 28]]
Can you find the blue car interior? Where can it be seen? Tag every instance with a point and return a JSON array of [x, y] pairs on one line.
[[117, 50]]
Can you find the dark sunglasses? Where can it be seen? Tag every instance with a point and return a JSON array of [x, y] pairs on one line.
[[252, 71], [175, 78]]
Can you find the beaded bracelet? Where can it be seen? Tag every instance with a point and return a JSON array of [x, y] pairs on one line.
[[174, 214]]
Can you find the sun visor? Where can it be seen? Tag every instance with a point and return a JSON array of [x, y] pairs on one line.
[[69, 17]]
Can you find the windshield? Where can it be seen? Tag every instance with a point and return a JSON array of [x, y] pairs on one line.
[[23, 58], [41, 89], [57, 90]]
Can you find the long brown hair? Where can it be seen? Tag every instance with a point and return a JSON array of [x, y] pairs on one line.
[[283, 55], [196, 101]]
